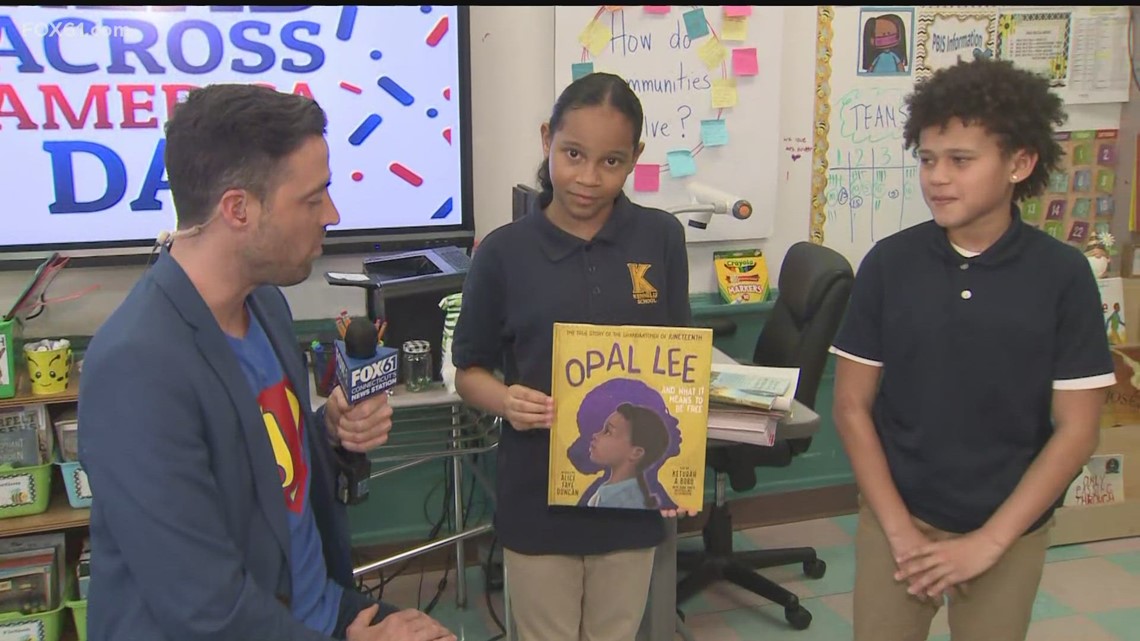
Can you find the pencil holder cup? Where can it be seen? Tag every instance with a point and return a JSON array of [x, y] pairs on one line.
[[322, 357], [49, 366]]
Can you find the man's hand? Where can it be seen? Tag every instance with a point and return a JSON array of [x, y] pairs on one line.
[[680, 512], [934, 568], [528, 409], [405, 625], [361, 427]]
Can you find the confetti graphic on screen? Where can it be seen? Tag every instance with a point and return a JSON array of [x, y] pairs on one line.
[[392, 88]]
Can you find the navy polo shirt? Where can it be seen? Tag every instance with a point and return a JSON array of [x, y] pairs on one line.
[[524, 277], [971, 349]]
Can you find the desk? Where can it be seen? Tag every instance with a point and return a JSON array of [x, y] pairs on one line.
[[434, 424], [661, 620]]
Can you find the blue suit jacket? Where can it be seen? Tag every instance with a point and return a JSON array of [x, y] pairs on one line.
[[188, 528]]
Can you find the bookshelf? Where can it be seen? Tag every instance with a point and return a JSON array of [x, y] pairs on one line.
[[59, 516]]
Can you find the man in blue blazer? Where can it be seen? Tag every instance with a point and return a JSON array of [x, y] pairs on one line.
[[216, 517]]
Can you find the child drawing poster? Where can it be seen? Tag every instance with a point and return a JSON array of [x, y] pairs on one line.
[[884, 45], [630, 416]]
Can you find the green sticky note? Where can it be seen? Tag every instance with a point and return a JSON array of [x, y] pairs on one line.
[[681, 163], [695, 24], [714, 133], [579, 69]]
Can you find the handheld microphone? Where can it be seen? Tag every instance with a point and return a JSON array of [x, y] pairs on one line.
[[363, 369]]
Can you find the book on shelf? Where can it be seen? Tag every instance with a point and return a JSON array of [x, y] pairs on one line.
[[630, 416]]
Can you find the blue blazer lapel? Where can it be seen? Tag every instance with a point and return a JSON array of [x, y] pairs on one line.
[[216, 350]]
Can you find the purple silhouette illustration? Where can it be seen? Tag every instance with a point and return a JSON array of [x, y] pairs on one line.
[[627, 432]]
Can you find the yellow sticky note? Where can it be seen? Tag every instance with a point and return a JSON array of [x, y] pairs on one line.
[[735, 29], [712, 53], [724, 93], [595, 37]]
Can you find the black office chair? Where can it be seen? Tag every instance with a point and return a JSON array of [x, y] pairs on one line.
[[814, 287]]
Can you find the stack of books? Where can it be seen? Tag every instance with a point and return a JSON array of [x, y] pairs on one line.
[[747, 402]]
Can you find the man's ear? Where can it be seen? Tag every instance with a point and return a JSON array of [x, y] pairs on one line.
[[232, 207]]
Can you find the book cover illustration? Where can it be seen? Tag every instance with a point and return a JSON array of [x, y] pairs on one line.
[[630, 416]]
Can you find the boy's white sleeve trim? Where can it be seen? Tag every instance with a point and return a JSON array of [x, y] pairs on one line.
[[1088, 382], [858, 359]]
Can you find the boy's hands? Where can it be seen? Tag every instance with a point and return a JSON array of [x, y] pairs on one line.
[[934, 568]]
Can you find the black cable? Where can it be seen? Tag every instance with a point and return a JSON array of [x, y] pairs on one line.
[[487, 594], [377, 592]]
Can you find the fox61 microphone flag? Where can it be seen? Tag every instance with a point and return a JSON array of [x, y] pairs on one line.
[[363, 367]]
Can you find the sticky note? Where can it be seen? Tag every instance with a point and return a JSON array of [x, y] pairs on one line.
[[737, 11], [735, 29], [695, 25], [595, 37], [647, 178], [657, 8], [681, 163], [714, 133], [744, 62], [723, 93], [712, 53], [579, 69]]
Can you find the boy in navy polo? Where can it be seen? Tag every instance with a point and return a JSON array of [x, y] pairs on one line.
[[973, 362]]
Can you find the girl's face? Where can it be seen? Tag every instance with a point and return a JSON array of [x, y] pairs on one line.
[[613, 445], [589, 157], [886, 34]]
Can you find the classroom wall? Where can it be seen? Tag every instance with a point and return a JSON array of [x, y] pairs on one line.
[[512, 69]]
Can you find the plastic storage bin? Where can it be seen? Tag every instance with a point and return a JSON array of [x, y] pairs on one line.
[[75, 480], [44, 626], [79, 613], [24, 491]]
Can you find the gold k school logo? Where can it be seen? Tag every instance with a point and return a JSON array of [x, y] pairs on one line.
[[643, 291]]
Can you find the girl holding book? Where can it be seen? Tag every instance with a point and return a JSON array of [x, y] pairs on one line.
[[583, 253]]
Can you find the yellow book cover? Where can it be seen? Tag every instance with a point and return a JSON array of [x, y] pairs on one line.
[[630, 416]]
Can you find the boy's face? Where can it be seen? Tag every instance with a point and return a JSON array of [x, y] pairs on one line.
[[613, 445], [965, 176]]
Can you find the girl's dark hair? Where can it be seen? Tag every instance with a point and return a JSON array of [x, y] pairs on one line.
[[589, 91], [869, 50], [1012, 104], [647, 431]]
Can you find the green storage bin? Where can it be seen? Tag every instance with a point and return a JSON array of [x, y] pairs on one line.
[[25, 490], [8, 351], [79, 613], [44, 626]]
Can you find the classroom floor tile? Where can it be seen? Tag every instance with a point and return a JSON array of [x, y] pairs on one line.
[[1089, 592]]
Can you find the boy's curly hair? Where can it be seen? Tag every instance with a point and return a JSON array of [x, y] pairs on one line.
[[1013, 104]]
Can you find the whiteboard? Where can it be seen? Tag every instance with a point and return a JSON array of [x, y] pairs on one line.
[[653, 52], [864, 183]]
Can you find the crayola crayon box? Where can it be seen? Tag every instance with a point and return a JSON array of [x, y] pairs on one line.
[[741, 276]]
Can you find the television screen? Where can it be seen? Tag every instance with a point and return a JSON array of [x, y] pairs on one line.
[[85, 92]]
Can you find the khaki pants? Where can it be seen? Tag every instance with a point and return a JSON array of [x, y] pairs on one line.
[[578, 598], [995, 606]]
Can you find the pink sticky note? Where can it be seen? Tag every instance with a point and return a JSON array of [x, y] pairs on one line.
[[737, 11], [647, 178], [653, 8], [744, 61]]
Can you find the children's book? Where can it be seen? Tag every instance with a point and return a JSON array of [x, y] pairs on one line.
[[754, 386], [630, 416]]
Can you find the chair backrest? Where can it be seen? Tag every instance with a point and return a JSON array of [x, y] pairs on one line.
[[521, 197], [814, 287]]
